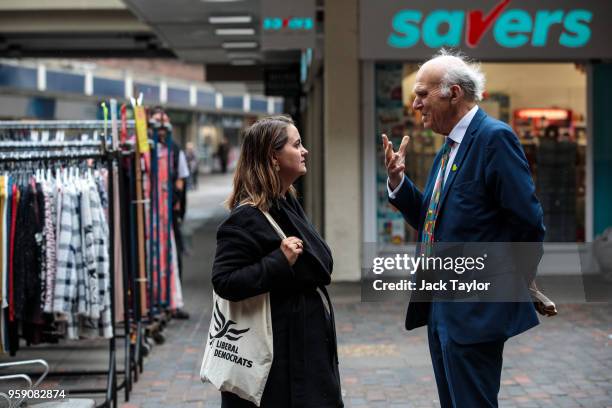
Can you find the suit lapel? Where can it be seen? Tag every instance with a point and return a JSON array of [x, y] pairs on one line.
[[461, 153]]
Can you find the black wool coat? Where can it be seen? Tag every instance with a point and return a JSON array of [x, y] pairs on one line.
[[249, 262]]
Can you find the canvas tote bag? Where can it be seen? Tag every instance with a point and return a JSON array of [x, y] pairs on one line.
[[238, 354]]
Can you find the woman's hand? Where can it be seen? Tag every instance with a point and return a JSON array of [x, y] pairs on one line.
[[292, 247]]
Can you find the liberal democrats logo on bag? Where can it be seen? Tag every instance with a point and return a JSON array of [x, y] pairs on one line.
[[223, 328], [224, 350]]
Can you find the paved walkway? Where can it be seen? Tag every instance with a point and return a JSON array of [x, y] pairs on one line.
[[564, 362]]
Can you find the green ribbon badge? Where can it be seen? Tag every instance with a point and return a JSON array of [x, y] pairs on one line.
[[454, 168]]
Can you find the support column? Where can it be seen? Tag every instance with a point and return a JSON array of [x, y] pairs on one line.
[[343, 215]]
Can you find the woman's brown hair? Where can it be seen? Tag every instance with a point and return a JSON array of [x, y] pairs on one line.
[[255, 181]]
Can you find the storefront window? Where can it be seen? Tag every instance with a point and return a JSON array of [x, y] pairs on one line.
[[546, 106]]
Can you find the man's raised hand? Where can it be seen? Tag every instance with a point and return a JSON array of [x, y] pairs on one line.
[[394, 161]]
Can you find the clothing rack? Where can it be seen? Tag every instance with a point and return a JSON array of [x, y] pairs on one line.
[[82, 150], [50, 156], [141, 320], [58, 124], [49, 144]]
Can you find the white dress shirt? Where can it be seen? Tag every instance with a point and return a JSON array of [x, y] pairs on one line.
[[456, 135]]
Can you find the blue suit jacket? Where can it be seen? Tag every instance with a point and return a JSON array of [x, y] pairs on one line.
[[490, 197]]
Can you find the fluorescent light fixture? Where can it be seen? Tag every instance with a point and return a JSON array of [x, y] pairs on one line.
[[242, 55], [230, 19], [220, 1], [239, 45], [243, 62], [235, 31]]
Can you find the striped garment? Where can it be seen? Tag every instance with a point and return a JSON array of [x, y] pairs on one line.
[[101, 246], [82, 283], [68, 259]]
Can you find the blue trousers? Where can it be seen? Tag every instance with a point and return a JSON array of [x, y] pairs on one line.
[[467, 375]]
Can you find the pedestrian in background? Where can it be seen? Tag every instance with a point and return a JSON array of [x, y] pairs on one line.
[[251, 259], [223, 153], [193, 162]]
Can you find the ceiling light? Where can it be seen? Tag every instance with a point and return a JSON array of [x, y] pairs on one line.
[[243, 62], [230, 19], [220, 1], [235, 31], [239, 44]]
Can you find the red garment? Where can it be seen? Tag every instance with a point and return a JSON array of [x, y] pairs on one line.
[[164, 239]]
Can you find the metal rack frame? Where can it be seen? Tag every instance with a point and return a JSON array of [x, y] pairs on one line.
[[57, 124], [44, 152]]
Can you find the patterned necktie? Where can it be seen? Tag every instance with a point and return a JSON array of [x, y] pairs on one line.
[[427, 234]]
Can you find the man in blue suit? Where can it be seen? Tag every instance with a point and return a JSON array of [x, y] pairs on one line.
[[479, 190]]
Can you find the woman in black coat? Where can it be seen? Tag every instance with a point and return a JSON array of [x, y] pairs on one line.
[[251, 259]]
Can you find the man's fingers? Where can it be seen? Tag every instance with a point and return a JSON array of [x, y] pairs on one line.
[[404, 145], [393, 162], [388, 152], [387, 147], [396, 170]]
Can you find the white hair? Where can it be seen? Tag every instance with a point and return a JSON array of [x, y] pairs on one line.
[[463, 72]]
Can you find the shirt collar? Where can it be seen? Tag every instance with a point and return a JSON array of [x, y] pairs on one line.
[[456, 135]]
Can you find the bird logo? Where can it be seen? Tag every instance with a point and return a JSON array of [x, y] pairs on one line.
[[223, 328]]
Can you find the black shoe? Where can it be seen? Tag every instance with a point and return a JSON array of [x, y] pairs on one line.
[[181, 314]]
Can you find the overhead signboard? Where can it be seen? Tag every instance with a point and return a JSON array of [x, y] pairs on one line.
[[486, 29], [282, 80], [287, 25]]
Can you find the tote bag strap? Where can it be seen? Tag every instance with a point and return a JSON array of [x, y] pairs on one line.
[[276, 227], [320, 290]]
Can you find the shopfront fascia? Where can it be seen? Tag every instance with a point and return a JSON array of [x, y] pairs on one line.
[[396, 36]]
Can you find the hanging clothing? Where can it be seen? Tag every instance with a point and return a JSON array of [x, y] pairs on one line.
[[12, 326], [102, 247], [49, 237], [3, 303], [28, 262], [69, 245], [168, 251], [54, 257], [27, 256], [118, 248], [161, 242]]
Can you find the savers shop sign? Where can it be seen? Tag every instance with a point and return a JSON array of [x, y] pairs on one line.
[[486, 29]]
